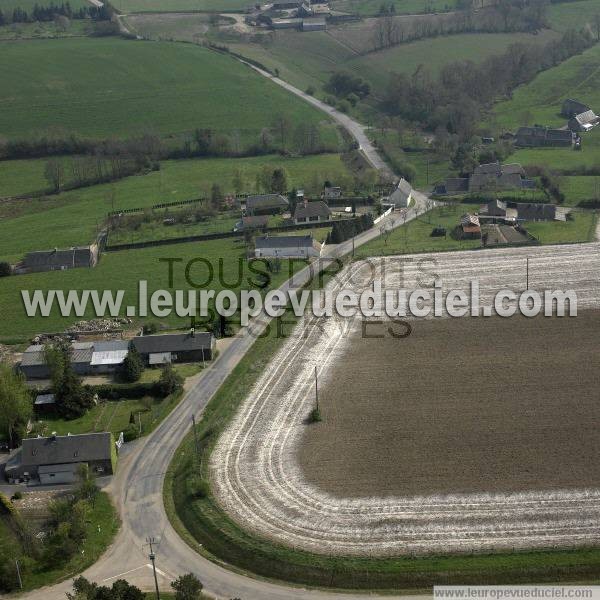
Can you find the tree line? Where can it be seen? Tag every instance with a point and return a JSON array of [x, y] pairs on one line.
[[454, 99], [504, 16], [50, 11]]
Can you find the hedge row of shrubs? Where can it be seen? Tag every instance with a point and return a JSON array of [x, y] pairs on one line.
[[132, 391]]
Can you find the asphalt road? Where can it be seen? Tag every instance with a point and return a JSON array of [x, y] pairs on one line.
[[137, 487]]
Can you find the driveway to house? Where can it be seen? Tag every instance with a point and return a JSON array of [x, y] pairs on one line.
[[137, 488]]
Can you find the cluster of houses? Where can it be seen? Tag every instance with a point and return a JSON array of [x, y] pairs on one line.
[[498, 212], [102, 357], [302, 15], [488, 177], [581, 119]]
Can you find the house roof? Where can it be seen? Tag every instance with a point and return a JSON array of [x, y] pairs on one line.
[[496, 204], [574, 106], [45, 399], [545, 133], [317, 208], [469, 219], [488, 168], [65, 449], [110, 352], [266, 201], [81, 352], [457, 184], [78, 256], [33, 356], [173, 342], [588, 117], [530, 211], [284, 241]]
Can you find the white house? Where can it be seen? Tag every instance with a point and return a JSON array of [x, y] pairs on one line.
[[401, 197], [287, 246]]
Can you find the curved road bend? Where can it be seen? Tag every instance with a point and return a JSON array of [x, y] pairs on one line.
[[356, 129], [137, 487]]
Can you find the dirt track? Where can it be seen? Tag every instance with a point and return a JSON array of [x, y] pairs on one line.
[[261, 483]]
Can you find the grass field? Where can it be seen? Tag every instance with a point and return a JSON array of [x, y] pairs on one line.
[[402, 7], [309, 58], [162, 87], [540, 101], [74, 217], [142, 6], [122, 271], [581, 229], [578, 189], [572, 15]]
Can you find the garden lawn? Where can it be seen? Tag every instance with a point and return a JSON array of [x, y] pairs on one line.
[[122, 271], [579, 189], [110, 86], [581, 229], [74, 217], [415, 236]]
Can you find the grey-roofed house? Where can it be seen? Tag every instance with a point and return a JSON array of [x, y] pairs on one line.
[[175, 347], [536, 212], [571, 107], [494, 176], [59, 260], [540, 137], [401, 197], [81, 356], [56, 459], [312, 212], [584, 121], [454, 185], [266, 204], [287, 246]]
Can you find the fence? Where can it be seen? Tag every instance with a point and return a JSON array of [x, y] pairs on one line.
[[384, 215]]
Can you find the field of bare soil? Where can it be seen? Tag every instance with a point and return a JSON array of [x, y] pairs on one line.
[[472, 434], [460, 406]]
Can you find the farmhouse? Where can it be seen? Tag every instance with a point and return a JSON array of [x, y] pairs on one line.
[[56, 459], [287, 246], [401, 197], [497, 176], [470, 226], [175, 347], [584, 121], [59, 260], [539, 137], [570, 108], [266, 204], [312, 212], [86, 358]]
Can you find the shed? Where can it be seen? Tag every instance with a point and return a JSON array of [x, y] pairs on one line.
[[108, 356], [571, 107], [177, 347], [287, 246]]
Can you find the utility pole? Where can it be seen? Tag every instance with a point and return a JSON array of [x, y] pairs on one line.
[[316, 389], [19, 574], [152, 558]]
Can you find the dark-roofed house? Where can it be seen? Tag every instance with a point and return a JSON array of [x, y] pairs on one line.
[[175, 347], [56, 459], [401, 197], [454, 185], [59, 260], [266, 204], [312, 212], [584, 121], [287, 246], [540, 137], [536, 212], [570, 108]]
